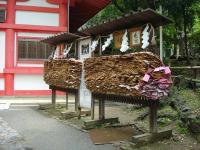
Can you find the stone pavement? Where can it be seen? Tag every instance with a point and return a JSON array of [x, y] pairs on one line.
[[43, 133], [9, 138], [35, 100]]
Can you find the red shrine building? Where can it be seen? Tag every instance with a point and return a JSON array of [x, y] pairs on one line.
[[23, 23]]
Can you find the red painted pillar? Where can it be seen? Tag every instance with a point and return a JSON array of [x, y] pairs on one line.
[[63, 18], [9, 45]]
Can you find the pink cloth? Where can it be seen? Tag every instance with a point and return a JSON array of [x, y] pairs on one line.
[[156, 88]]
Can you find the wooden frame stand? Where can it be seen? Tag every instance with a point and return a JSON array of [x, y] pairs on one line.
[[70, 114], [153, 134]]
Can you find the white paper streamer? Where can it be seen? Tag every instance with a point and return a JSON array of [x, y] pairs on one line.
[[67, 50], [51, 56], [56, 53], [145, 37], [94, 45], [124, 45], [107, 42]]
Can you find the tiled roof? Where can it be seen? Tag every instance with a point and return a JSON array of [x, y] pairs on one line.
[[132, 19]]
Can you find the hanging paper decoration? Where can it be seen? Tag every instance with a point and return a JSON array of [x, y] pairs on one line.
[[145, 37], [67, 50], [94, 45], [107, 42], [56, 53], [51, 56], [124, 45]]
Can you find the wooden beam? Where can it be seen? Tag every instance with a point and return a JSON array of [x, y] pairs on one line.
[[67, 100], [94, 123], [147, 138], [76, 101], [101, 109], [153, 117], [92, 108], [53, 96]]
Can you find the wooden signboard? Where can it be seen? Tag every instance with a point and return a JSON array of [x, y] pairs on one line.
[[135, 37], [118, 35]]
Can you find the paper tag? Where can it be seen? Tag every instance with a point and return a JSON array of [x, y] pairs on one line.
[[167, 70], [146, 78], [159, 69]]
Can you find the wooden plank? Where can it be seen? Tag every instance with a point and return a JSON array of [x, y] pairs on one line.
[[63, 89], [67, 100], [68, 115], [193, 80], [94, 123], [101, 109], [186, 67], [92, 108], [153, 118], [53, 96], [123, 99], [149, 138], [76, 101]]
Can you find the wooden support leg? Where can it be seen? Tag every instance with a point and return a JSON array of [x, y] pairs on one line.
[[79, 112], [153, 117], [92, 108], [66, 100], [53, 94], [76, 101], [101, 109]]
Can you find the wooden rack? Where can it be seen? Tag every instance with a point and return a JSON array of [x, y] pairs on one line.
[[67, 91], [153, 134]]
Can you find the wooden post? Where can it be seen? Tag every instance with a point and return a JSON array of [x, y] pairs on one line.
[[100, 49], [79, 112], [101, 109], [53, 97], [153, 117], [76, 100], [66, 100], [92, 108]]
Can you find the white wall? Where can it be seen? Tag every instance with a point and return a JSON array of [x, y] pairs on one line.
[[40, 3], [30, 65], [37, 18], [1, 84], [2, 51], [3, 2], [30, 82]]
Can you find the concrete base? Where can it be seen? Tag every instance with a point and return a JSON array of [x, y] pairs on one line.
[[72, 114], [94, 123], [151, 137], [68, 115]]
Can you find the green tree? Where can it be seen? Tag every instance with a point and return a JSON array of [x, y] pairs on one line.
[[183, 14]]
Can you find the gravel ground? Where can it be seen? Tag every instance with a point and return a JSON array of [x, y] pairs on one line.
[[10, 138]]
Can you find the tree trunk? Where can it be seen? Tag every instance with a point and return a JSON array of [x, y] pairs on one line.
[[185, 34]]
